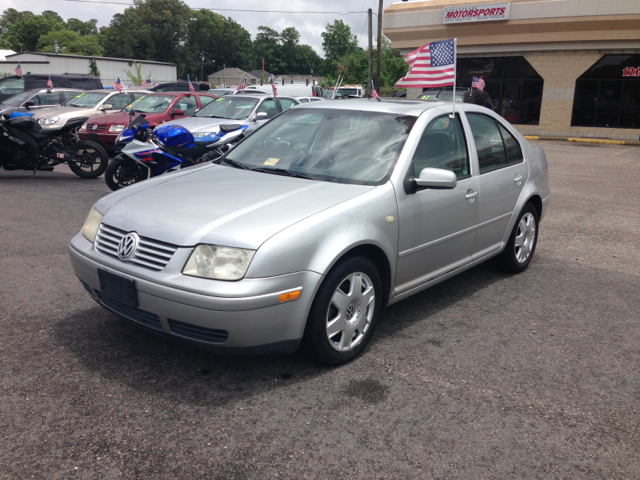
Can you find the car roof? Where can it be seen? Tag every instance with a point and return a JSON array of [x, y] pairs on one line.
[[396, 106]]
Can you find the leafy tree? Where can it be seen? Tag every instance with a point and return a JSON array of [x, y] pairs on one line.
[[70, 42], [120, 38], [11, 16], [136, 78], [337, 41], [93, 68], [27, 32], [83, 28], [392, 64]]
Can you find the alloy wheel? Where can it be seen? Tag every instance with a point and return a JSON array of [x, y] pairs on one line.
[[525, 237]]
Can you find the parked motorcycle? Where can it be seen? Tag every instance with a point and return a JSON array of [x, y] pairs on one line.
[[166, 149], [24, 145]]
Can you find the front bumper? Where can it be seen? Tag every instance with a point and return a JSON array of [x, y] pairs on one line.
[[243, 317], [105, 139]]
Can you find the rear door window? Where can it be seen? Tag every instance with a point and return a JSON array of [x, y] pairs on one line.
[[514, 152], [488, 140]]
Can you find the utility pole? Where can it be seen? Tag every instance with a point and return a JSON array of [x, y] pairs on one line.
[[224, 74], [379, 44], [369, 90], [201, 64]]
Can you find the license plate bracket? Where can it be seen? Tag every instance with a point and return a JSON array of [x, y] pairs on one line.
[[117, 288]]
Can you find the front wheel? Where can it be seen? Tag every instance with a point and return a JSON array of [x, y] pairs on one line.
[[91, 160], [123, 172], [344, 313], [522, 242]]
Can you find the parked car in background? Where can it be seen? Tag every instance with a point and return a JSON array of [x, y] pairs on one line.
[[12, 84], [313, 223], [289, 90], [400, 94], [221, 92], [87, 104], [245, 109], [157, 108], [310, 99], [36, 99], [466, 95], [179, 87]]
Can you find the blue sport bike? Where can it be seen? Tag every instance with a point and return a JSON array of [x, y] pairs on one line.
[[166, 149]]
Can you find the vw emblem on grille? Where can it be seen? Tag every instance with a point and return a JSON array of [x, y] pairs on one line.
[[128, 245], [95, 126]]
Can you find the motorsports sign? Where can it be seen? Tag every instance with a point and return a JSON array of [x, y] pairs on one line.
[[477, 13]]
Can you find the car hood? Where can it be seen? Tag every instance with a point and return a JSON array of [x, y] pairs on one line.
[[123, 118], [202, 124], [222, 205], [65, 112]]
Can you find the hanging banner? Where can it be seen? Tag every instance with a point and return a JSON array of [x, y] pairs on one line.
[[477, 13]]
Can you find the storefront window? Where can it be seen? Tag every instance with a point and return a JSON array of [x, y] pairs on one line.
[[608, 94], [512, 83]]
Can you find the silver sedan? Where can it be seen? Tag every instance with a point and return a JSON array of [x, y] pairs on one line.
[[313, 223]]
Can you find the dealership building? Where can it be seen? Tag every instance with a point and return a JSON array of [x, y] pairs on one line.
[[568, 68]]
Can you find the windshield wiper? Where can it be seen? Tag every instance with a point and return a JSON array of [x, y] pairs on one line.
[[282, 171], [233, 163]]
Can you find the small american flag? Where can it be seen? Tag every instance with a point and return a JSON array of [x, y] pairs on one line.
[[432, 65], [19, 70], [273, 86], [193, 90], [374, 92], [50, 83], [145, 84], [243, 85], [477, 83], [118, 85]]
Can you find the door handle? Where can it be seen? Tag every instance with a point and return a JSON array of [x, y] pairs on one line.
[[518, 179], [471, 196]]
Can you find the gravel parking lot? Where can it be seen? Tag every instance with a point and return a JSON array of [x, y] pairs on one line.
[[486, 375]]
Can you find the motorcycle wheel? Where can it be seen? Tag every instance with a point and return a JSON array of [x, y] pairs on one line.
[[123, 172], [93, 162]]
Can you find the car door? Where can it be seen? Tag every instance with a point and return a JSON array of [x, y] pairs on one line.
[[437, 226], [502, 176]]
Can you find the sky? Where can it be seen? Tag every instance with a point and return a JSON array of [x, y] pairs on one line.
[[310, 25]]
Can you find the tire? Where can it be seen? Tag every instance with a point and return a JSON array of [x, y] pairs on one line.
[[522, 242], [123, 172], [92, 155], [341, 321]]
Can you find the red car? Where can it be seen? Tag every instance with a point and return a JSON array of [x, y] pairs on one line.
[[157, 108]]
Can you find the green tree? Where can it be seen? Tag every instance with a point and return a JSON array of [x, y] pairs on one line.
[[83, 28], [392, 64], [93, 68], [70, 42], [136, 78], [27, 32], [11, 16], [337, 42], [120, 38]]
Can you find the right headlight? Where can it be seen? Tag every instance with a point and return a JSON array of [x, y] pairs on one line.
[[218, 263], [50, 120], [91, 224]]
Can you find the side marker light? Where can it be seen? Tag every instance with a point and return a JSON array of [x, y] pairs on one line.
[[287, 297]]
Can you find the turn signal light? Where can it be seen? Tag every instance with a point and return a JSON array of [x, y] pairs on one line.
[[287, 297]]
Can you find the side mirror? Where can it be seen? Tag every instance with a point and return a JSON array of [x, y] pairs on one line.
[[177, 112], [28, 104], [106, 106], [436, 178], [261, 116]]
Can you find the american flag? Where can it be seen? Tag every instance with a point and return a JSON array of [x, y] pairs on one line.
[[243, 85], [19, 70], [50, 83], [477, 83], [273, 86], [374, 92], [433, 65], [118, 85], [145, 84], [193, 90]]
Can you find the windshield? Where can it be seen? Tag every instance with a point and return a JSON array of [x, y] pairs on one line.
[[440, 97], [151, 103], [348, 91], [341, 146], [236, 108], [11, 86], [86, 100], [19, 98]]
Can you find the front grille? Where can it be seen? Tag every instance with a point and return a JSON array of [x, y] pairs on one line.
[[101, 128], [149, 253], [147, 319], [198, 333]]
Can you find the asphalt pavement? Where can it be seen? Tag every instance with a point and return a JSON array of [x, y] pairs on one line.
[[486, 375]]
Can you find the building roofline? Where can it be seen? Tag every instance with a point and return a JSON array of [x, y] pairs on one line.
[[47, 54]]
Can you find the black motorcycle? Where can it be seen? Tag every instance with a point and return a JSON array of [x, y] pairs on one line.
[[25, 145]]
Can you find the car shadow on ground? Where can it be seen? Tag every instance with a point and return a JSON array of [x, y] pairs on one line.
[[120, 352]]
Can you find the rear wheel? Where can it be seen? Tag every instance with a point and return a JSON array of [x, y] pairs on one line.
[[344, 313], [123, 172], [91, 160]]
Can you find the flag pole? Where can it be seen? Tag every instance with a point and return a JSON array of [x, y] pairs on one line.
[[455, 74]]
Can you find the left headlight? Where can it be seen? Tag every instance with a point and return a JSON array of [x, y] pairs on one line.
[[116, 128], [91, 224], [50, 120], [218, 263]]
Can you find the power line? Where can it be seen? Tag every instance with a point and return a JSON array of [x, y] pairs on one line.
[[224, 9]]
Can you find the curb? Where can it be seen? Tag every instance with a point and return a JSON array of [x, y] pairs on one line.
[[531, 137], [601, 141]]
